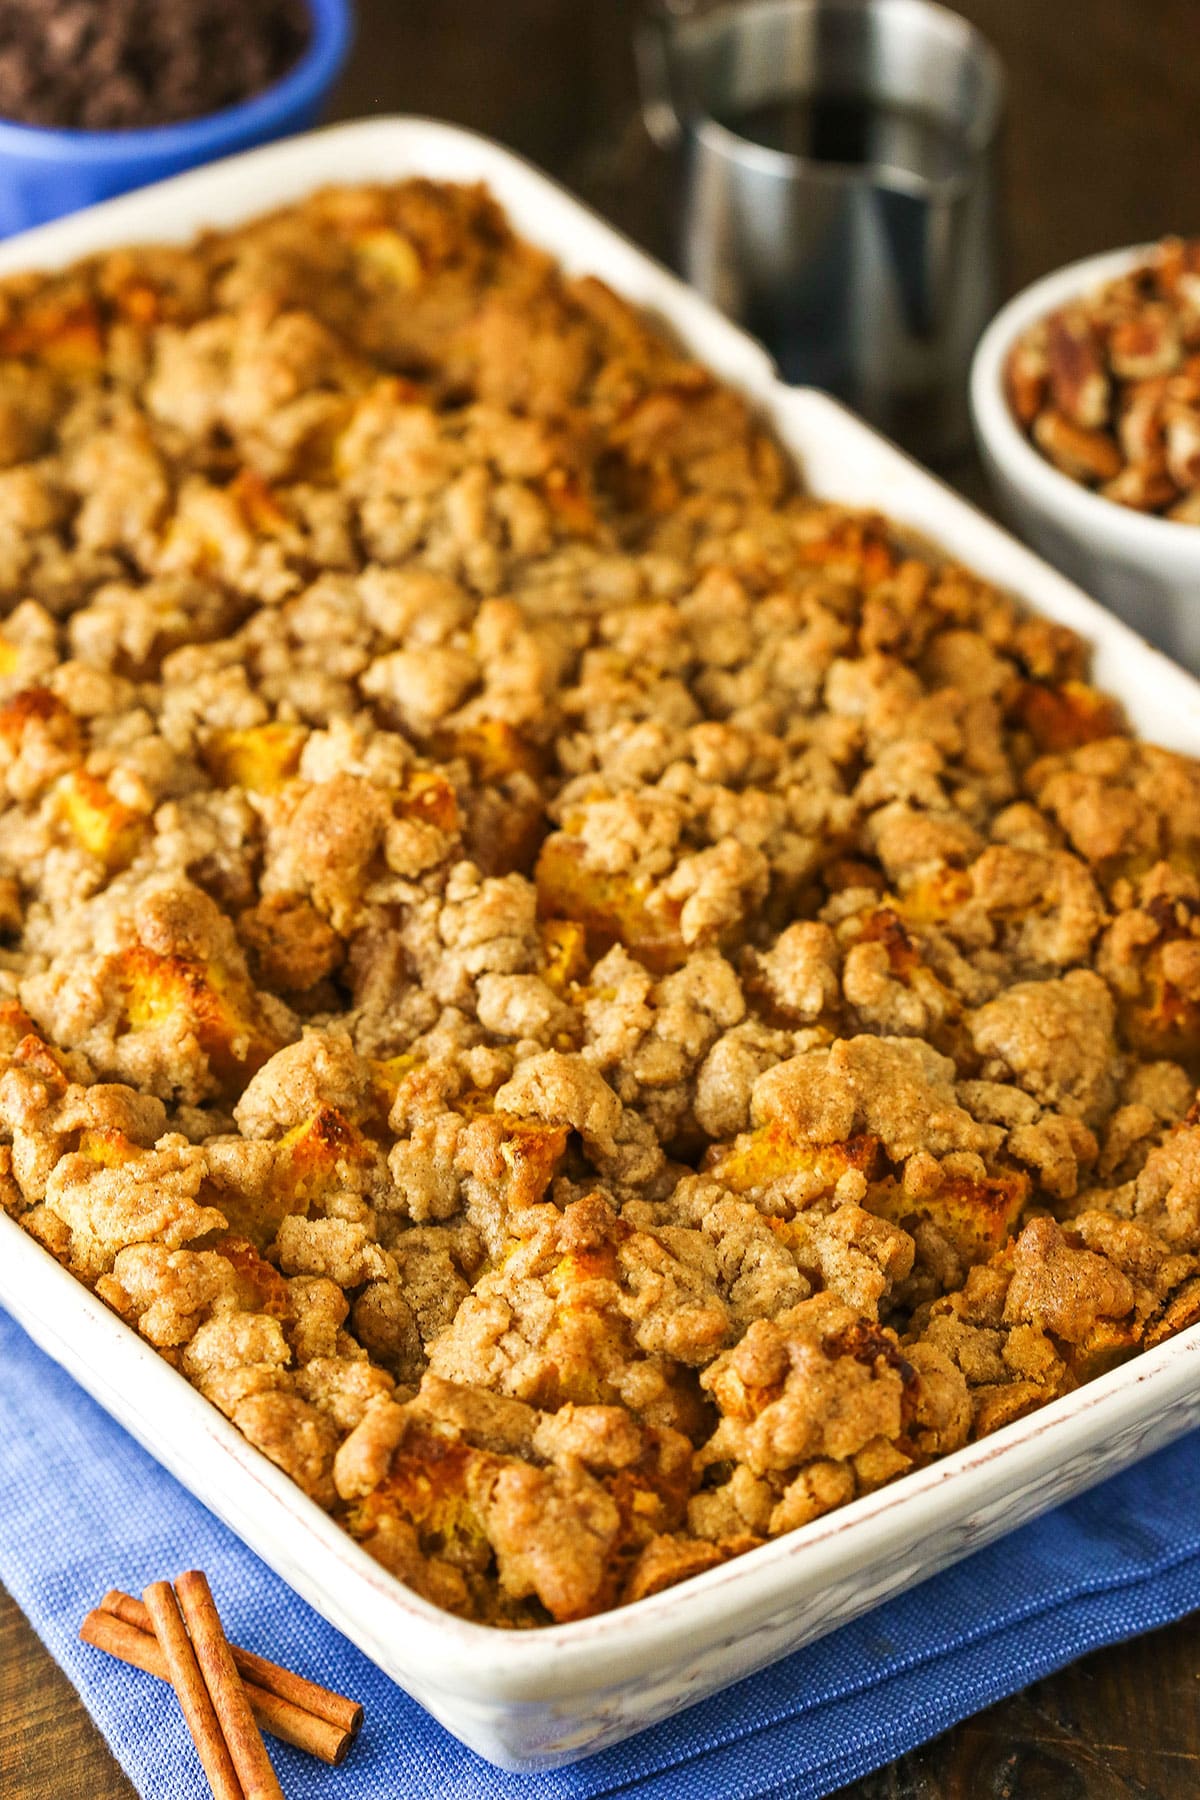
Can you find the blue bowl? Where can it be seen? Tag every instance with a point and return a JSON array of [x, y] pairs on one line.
[[45, 173]]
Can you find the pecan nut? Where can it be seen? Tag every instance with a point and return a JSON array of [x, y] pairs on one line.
[[1108, 388], [1084, 455], [1078, 380]]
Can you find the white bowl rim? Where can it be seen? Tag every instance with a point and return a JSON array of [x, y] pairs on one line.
[[1115, 527]]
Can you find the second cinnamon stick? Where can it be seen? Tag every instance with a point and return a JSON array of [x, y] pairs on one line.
[[242, 1736], [192, 1692]]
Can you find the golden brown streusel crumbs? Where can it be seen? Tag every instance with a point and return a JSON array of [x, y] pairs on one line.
[[596, 1006]]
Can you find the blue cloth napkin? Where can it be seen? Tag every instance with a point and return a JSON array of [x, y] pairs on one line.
[[82, 1509]]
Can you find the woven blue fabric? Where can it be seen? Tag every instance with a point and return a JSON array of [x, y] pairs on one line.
[[82, 1509]]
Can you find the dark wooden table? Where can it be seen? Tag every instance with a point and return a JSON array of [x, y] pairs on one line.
[[1102, 148]]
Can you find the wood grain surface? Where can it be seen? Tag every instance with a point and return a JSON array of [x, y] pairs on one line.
[[1100, 149]]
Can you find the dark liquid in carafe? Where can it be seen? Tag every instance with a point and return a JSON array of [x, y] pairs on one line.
[[854, 134]]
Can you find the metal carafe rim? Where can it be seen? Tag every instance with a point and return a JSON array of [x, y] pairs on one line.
[[674, 35]]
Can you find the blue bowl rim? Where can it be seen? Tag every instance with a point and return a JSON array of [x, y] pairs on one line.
[[303, 84]]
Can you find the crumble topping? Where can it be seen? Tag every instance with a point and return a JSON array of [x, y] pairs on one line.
[[597, 1006]]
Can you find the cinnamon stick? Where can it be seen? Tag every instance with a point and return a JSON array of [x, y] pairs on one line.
[[192, 1692], [116, 1634], [260, 1674], [228, 1696]]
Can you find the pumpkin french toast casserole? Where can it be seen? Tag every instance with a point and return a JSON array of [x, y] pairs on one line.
[[597, 1007]]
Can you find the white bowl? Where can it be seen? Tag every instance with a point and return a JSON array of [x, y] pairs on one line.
[[1147, 569]]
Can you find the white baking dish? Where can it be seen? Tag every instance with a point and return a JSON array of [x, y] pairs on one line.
[[533, 1699]]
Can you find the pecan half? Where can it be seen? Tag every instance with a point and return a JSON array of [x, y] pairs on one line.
[[1145, 345], [1077, 379], [1183, 444], [1140, 426], [1084, 455], [1146, 486], [1027, 377]]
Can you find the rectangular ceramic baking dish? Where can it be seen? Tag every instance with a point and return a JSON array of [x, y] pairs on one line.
[[534, 1699]]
